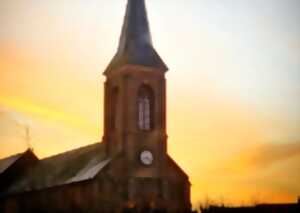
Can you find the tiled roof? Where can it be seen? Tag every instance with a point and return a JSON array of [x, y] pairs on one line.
[[7, 162], [69, 167]]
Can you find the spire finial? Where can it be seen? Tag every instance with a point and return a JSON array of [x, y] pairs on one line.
[[28, 138]]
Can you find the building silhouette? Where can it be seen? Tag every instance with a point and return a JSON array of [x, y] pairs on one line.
[[130, 168]]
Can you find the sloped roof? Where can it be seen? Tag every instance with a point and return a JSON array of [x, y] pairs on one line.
[[173, 164], [89, 172], [69, 167], [135, 45], [7, 162], [66, 168]]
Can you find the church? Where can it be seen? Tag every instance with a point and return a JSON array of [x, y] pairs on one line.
[[130, 168]]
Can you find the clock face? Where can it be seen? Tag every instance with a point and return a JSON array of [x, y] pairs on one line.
[[146, 157]]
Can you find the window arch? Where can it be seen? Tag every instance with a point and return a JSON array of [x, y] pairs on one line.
[[145, 108]]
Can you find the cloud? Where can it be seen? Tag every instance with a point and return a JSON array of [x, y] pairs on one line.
[[263, 156], [12, 133], [295, 47], [12, 116], [273, 153], [269, 172], [51, 131], [32, 109]]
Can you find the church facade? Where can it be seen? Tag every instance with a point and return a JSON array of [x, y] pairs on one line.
[[130, 168]]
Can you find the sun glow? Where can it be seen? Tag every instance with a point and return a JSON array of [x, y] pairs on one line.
[[233, 86]]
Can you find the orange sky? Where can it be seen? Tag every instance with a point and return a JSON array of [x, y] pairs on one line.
[[233, 116]]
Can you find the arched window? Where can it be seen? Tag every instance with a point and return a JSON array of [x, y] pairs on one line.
[[145, 108], [114, 106]]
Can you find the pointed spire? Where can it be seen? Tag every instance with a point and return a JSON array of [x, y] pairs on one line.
[[135, 45]]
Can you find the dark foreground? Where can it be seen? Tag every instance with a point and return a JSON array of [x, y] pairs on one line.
[[261, 208]]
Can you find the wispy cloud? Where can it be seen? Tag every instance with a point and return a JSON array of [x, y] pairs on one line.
[[272, 153], [27, 107], [268, 172], [263, 156], [12, 132]]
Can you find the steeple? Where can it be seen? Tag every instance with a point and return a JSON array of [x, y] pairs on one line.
[[135, 45]]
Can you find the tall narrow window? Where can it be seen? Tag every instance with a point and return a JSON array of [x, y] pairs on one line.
[[114, 110], [145, 108]]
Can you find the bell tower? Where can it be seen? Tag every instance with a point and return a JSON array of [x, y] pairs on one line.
[[135, 97], [135, 117]]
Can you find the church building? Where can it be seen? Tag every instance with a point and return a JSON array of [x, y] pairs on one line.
[[130, 168]]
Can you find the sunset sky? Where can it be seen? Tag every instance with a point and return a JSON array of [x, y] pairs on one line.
[[233, 86]]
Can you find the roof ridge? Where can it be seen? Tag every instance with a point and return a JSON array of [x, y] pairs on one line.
[[5, 163], [73, 150], [13, 155]]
